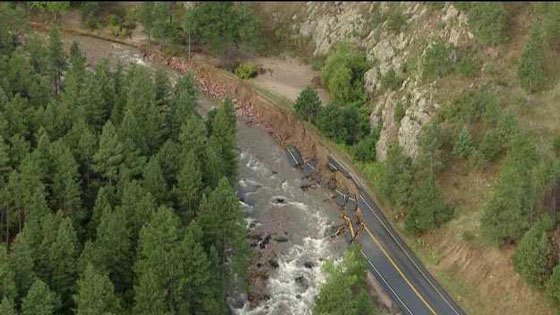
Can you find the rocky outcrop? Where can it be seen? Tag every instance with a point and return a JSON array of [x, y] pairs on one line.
[[327, 24]]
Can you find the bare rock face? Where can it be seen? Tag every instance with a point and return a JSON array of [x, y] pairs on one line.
[[326, 24], [371, 80], [419, 113], [331, 23]]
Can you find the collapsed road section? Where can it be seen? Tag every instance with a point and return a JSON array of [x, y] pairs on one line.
[[389, 259]]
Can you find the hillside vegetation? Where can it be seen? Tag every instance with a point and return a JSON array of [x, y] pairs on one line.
[[116, 194]]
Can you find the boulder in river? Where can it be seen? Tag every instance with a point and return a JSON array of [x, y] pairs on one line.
[[309, 264], [273, 263], [281, 239]]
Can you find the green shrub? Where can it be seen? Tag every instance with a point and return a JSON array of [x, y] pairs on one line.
[[491, 145], [376, 18], [391, 80], [428, 210], [472, 104], [431, 156], [343, 74], [508, 127], [553, 285], [308, 104], [489, 22], [507, 213], [344, 124], [89, 11], [246, 70], [467, 236], [466, 67], [492, 111], [437, 61], [364, 150], [463, 146], [397, 181], [396, 20], [477, 160], [463, 6], [435, 5], [400, 111], [318, 64], [556, 144], [549, 13], [531, 259], [531, 68]]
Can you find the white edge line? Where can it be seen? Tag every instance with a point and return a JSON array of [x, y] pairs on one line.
[[410, 258], [386, 283]]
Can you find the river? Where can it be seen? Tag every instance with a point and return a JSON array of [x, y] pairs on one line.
[[290, 227]]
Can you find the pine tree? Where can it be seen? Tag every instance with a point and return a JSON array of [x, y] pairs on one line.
[[104, 79], [40, 300], [428, 210], [109, 157], [82, 141], [181, 106], [157, 265], [463, 147], [138, 205], [142, 103], [19, 148], [397, 182], [93, 102], [114, 247], [18, 116], [7, 307], [162, 87], [553, 285], [149, 296], [197, 296], [38, 54], [105, 198], [56, 57], [19, 74], [222, 221], [49, 231], [63, 256], [505, 217], [214, 166], [65, 185], [345, 291], [153, 180], [223, 131], [8, 287], [308, 104], [120, 94], [532, 257], [169, 157], [189, 186], [22, 263], [96, 294], [193, 137]]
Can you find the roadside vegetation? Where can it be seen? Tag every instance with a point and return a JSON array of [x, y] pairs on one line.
[[114, 192], [345, 291]]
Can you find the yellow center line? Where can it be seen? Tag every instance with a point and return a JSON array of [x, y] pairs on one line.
[[399, 270]]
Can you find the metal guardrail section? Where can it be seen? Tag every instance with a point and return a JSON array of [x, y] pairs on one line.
[[294, 156]]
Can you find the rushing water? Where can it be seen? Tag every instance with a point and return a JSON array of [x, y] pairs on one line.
[[305, 217], [274, 203]]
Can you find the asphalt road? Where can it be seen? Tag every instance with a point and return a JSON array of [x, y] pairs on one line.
[[396, 267], [392, 262]]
